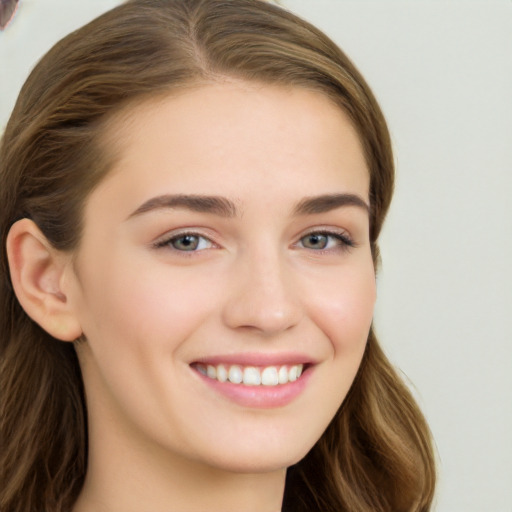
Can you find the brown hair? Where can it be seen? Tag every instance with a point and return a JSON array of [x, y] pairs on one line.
[[376, 455]]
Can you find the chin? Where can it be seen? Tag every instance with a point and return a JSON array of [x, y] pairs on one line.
[[260, 466], [258, 458]]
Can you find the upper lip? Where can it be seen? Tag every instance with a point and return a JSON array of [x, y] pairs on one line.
[[256, 359]]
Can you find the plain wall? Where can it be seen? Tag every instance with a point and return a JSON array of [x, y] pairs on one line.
[[442, 71]]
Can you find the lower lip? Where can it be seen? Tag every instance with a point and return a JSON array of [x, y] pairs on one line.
[[259, 397]]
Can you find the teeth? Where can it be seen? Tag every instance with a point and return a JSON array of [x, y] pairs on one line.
[[293, 374], [252, 375], [283, 375], [222, 373], [235, 374], [270, 377]]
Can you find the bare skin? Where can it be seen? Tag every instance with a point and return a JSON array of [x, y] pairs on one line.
[[273, 269]]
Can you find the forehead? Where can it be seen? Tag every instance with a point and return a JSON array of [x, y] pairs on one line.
[[217, 138]]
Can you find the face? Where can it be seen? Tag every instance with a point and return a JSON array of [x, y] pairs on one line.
[[224, 281]]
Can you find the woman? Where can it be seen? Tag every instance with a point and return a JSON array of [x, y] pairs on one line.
[[192, 193]]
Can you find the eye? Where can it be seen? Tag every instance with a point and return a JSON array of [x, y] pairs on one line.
[[325, 240], [186, 242]]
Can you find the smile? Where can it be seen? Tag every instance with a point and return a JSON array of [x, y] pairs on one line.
[[251, 375], [261, 381]]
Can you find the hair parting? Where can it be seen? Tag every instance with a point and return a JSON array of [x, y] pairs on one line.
[[376, 455]]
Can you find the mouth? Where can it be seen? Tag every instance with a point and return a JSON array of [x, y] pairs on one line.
[[255, 382], [274, 375]]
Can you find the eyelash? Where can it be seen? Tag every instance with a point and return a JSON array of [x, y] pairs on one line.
[[167, 242], [344, 242]]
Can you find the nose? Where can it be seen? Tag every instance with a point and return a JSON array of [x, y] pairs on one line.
[[263, 297]]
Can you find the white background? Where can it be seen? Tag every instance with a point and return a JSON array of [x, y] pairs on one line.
[[442, 70]]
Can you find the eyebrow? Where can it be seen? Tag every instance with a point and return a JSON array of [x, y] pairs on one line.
[[224, 207], [198, 203], [328, 202]]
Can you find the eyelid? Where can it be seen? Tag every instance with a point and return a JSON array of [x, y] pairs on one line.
[[346, 240], [164, 241], [344, 237]]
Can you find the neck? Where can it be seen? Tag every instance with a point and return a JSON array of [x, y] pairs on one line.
[[125, 476]]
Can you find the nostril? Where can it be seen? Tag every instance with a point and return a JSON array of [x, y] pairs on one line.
[[259, 313]]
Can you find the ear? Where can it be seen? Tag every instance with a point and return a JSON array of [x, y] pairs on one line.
[[39, 273]]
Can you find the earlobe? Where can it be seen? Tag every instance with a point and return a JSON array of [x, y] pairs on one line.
[[37, 274]]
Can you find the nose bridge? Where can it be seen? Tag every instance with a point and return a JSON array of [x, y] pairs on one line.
[[264, 296]]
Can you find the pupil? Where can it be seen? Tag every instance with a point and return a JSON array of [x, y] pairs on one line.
[[187, 242], [316, 241]]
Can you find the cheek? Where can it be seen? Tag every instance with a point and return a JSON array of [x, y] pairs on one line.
[[343, 309], [150, 309], [136, 327]]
